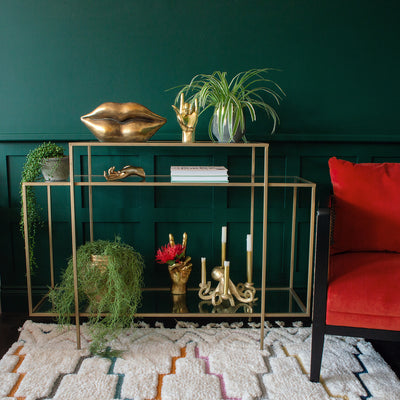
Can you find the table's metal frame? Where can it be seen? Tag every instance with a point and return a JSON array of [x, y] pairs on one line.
[[264, 185]]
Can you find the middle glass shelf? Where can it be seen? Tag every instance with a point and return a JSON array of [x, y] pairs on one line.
[[159, 302], [165, 180]]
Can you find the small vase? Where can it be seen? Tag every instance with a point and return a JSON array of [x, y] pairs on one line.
[[99, 262], [55, 169], [224, 136], [98, 265], [179, 273]]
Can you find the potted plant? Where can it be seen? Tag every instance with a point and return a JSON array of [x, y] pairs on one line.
[[109, 283], [47, 159], [245, 91]]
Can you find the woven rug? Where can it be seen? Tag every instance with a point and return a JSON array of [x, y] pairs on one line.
[[208, 363]]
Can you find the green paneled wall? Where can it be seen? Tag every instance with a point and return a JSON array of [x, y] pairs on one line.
[[143, 217], [339, 60], [338, 64]]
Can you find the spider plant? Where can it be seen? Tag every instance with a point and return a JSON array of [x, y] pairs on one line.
[[246, 90]]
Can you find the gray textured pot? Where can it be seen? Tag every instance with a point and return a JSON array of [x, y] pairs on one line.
[[224, 137], [55, 169]]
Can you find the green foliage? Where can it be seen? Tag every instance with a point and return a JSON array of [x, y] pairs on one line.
[[115, 290], [32, 172], [231, 98]]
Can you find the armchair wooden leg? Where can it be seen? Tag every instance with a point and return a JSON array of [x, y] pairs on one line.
[[317, 347]]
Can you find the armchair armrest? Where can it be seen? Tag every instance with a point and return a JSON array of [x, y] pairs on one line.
[[321, 261]]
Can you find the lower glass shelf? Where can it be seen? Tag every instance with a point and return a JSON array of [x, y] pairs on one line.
[[280, 302]]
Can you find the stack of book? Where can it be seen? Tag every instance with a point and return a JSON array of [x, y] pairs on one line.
[[208, 174]]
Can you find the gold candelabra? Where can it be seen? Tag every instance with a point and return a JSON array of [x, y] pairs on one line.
[[226, 289]]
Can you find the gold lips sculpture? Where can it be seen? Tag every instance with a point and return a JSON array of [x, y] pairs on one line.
[[123, 122]]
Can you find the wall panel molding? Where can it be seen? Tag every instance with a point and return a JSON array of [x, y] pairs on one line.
[[176, 135], [305, 158]]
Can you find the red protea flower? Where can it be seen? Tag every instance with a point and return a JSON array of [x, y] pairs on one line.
[[170, 254]]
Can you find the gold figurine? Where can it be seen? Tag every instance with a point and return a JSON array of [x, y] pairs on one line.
[[123, 122], [226, 289], [180, 271], [128, 170], [187, 116]]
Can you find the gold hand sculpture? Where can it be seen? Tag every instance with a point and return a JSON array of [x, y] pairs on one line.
[[187, 116], [128, 170], [180, 271]]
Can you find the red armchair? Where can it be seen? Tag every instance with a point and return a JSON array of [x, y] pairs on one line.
[[357, 258]]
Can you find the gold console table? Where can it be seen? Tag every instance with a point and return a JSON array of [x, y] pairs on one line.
[[297, 307]]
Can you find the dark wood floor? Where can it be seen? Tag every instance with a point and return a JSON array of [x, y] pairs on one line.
[[10, 323]]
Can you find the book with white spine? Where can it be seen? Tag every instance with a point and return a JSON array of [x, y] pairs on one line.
[[204, 178], [207, 174], [199, 171]]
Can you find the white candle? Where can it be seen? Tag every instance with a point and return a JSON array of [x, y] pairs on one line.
[[248, 242], [249, 259], [226, 277], [203, 270], [223, 235]]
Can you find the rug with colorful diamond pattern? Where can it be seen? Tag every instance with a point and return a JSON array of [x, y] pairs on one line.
[[208, 363]]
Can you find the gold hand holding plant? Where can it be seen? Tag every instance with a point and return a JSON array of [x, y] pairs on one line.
[[179, 266]]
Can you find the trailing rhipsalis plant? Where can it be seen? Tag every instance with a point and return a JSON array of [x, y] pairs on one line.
[[114, 290], [32, 172]]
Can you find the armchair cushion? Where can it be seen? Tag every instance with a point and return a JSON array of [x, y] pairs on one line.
[[364, 290], [367, 206]]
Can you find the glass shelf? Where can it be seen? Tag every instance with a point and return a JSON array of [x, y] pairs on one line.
[[161, 303], [292, 181], [169, 143], [165, 180]]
